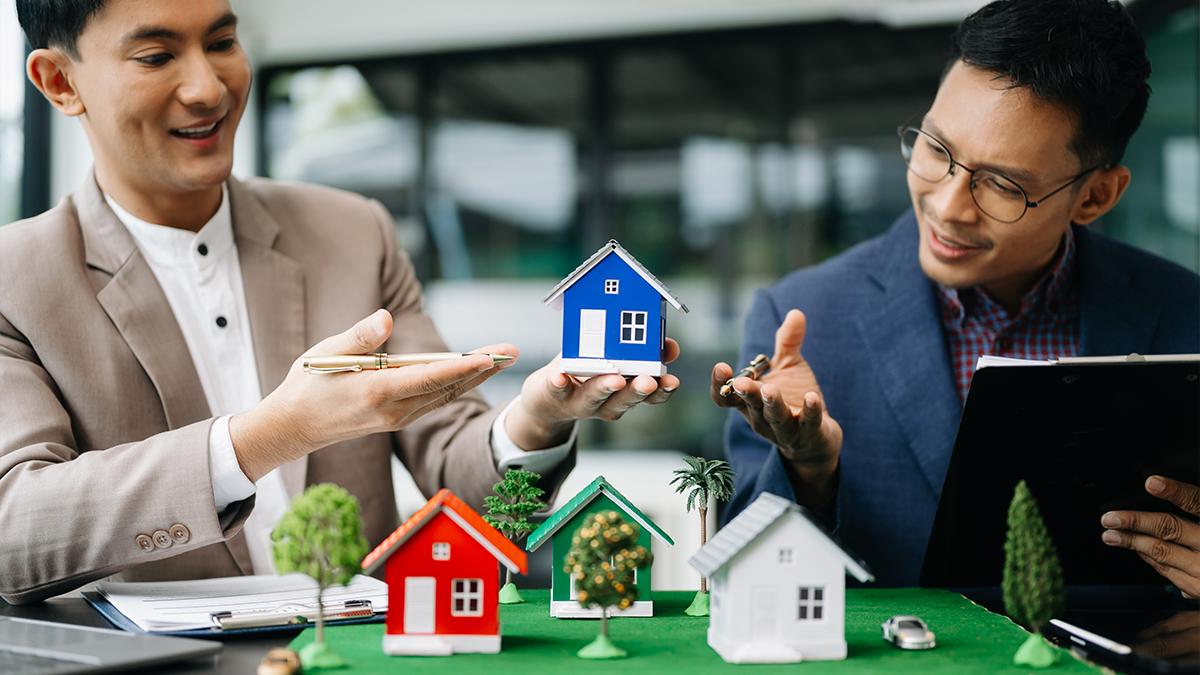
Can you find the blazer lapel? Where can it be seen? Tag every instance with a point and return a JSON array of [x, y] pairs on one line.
[[1114, 320], [274, 287], [902, 330], [139, 310]]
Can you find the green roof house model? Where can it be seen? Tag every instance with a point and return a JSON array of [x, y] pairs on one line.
[[561, 526]]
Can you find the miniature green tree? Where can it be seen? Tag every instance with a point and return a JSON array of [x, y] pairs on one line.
[[706, 478], [321, 536], [603, 557], [516, 498], [1033, 578]]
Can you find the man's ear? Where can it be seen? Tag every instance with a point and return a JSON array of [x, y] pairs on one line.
[[50, 71], [1101, 192]]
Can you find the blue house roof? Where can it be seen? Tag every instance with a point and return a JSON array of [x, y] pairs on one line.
[[613, 247]]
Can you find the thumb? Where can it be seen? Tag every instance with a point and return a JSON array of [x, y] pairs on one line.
[[789, 337], [364, 337]]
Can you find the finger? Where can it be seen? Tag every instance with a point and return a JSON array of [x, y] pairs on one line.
[[1184, 495], [667, 385], [1180, 621], [500, 349], [364, 337], [789, 338], [670, 350], [427, 403], [779, 415], [560, 385], [720, 375], [1163, 553], [1188, 584], [632, 394], [430, 378], [749, 391], [592, 394], [1172, 645], [1165, 526]]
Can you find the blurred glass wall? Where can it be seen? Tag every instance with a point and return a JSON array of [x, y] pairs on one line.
[[721, 160]]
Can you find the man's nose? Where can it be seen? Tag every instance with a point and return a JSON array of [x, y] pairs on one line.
[[951, 198], [201, 86]]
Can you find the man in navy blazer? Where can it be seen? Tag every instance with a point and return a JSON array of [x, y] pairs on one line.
[[1019, 152]]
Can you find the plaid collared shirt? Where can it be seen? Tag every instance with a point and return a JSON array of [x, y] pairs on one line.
[[1045, 327]]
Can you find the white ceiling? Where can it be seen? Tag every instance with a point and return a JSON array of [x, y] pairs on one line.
[[282, 31]]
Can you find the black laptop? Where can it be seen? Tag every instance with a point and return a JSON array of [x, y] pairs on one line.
[[1084, 437]]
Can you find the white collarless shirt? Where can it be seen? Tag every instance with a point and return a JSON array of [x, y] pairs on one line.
[[201, 277]]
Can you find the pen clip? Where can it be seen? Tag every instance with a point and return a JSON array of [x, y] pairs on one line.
[[340, 369]]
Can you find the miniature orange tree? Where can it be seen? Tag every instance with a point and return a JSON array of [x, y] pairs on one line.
[[516, 498], [707, 478], [603, 557], [1033, 580], [321, 536]]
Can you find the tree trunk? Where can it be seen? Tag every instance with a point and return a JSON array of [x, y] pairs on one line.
[[703, 539], [320, 616], [604, 621], [507, 575]]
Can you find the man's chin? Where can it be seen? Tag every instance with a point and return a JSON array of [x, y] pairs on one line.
[[943, 275]]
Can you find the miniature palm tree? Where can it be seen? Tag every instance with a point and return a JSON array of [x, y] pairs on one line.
[[321, 536], [603, 558], [518, 498], [1033, 578], [706, 478]]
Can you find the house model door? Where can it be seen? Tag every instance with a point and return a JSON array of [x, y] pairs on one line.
[[591, 333], [418, 604], [766, 611]]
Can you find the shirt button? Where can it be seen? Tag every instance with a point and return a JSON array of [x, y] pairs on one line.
[[162, 539], [144, 542], [222, 322], [180, 533], [202, 249]]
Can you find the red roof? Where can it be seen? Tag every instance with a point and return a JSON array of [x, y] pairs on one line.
[[474, 524]]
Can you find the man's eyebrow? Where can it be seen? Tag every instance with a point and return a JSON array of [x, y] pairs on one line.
[[1006, 171], [161, 33]]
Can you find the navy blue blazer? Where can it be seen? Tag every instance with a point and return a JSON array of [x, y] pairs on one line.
[[876, 344]]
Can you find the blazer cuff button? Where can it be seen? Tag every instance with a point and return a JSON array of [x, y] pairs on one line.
[[144, 542], [180, 534], [162, 539]]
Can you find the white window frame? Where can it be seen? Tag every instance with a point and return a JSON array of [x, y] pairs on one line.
[[811, 603], [612, 286], [470, 592], [629, 319], [441, 550]]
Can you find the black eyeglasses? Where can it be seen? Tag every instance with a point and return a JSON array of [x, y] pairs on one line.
[[995, 194]]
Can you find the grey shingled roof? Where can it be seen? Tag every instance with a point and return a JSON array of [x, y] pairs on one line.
[[730, 540], [613, 247]]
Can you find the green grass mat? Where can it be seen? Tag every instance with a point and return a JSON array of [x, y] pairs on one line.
[[970, 639]]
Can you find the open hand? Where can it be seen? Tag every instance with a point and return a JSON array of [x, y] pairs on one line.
[[786, 406], [1168, 543], [551, 400]]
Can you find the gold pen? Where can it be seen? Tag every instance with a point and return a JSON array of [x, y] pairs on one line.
[[354, 363], [757, 367]]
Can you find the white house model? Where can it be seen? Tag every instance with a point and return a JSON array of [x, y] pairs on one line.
[[778, 586]]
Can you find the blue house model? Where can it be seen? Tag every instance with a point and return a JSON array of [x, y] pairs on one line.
[[614, 316]]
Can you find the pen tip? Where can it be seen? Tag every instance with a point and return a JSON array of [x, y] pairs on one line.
[[501, 358]]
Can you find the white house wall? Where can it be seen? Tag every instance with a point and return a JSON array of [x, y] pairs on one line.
[[757, 566]]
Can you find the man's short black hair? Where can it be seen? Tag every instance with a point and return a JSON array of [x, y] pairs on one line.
[[1085, 55], [56, 23]]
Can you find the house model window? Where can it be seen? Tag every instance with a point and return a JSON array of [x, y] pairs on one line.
[[785, 556], [612, 286], [466, 598], [441, 551], [633, 328], [812, 603]]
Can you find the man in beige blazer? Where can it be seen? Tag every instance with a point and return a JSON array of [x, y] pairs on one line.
[[109, 447]]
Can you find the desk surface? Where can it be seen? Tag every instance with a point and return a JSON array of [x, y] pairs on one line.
[[970, 639]]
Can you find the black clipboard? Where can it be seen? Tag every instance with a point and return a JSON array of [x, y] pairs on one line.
[[1084, 436]]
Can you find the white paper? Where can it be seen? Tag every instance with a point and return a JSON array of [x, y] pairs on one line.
[[186, 605]]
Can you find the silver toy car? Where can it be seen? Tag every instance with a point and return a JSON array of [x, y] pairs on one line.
[[908, 632]]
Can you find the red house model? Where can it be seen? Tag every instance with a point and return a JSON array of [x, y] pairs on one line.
[[443, 580]]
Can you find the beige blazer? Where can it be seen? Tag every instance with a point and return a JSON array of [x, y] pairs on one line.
[[104, 425]]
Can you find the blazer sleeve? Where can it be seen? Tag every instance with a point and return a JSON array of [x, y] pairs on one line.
[[449, 447], [68, 517]]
